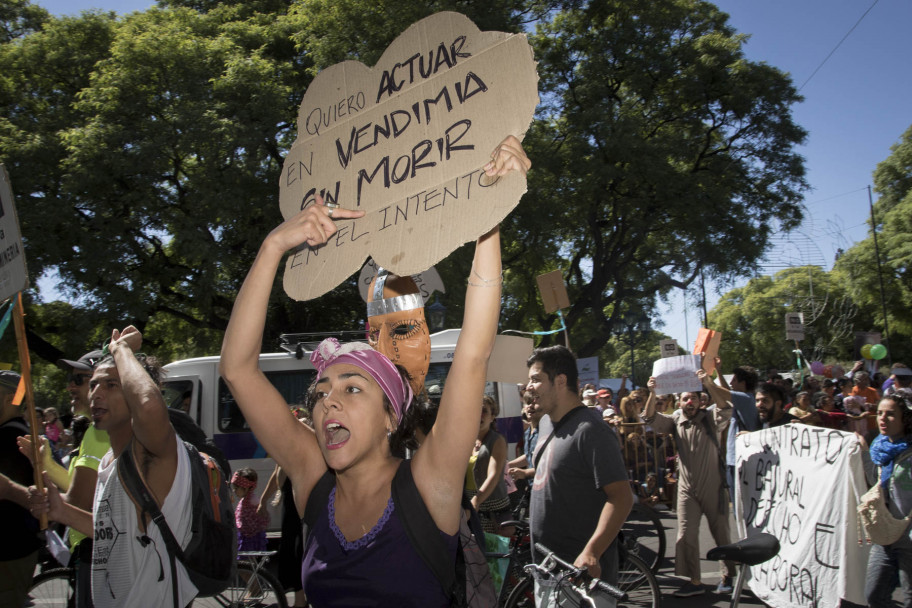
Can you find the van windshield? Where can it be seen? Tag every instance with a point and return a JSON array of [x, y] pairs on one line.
[[291, 384]]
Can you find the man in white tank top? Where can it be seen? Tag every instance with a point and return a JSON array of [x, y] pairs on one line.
[[130, 565]]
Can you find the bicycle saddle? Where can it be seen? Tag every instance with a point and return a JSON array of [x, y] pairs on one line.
[[750, 551]]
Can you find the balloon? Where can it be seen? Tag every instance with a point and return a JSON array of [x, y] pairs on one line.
[[828, 371], [816, 368], [866, 351], [878, 351]]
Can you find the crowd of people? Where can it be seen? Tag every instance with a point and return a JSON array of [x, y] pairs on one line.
[[343, 469]]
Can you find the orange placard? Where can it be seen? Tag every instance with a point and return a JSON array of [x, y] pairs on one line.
[[707, 344]]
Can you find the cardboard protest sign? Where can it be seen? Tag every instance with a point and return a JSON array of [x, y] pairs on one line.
[[508, 359], [794, 326], [428, 281], [800, 483], [553, 291], [588, 370], [406, 142], [677, 374], [668, 348], [707, 344], [13, 274]]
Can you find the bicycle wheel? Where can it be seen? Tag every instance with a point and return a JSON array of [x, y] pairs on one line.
[[644, 535], [55, 588], [250, 589], [640, 584], [523, 595]]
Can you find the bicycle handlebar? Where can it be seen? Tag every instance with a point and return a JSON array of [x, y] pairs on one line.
[[575, 572]]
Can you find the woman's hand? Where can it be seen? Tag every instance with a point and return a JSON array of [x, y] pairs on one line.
[[312, 226], [508, 156]]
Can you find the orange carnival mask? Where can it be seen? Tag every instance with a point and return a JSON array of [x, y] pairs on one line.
[[396, 324]]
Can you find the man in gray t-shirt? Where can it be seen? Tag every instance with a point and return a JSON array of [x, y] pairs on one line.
[[580, 494]]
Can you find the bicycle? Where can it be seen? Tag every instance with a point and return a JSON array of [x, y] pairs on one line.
[[748, 552], [55, 588], [518, 556], [644, 535], [253, 585], [567, 579]]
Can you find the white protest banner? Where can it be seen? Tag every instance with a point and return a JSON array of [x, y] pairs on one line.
[[406, 142], [13, 274], [800, 483], [677, 374]]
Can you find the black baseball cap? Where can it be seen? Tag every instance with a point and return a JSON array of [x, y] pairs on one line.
[[901, 371], [86, 363], [9, 380]]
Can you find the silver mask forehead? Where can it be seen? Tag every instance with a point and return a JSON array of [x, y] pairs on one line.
[[380, 306]]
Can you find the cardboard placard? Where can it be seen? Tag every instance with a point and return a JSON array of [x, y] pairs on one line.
[[588, 370], [428, 281], [668, 348], [508, 359], [707, 344], [553, 291], [677, 374], [406, 142], [13, 274], [794, 326]]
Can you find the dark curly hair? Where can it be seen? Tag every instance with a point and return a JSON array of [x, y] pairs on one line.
[[148, 362], [902, 399], [403, 438]]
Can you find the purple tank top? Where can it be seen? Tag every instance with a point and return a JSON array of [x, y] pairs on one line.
[[379, 569]]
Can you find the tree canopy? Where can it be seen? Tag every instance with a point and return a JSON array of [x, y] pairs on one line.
[[145, 152], [659, 151]]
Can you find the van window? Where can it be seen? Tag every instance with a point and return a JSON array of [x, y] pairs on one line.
[[177, 394], [292, 385]]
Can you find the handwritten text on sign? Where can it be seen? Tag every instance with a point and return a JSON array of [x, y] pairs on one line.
[[677, 374], [797, 482], [406, 142]]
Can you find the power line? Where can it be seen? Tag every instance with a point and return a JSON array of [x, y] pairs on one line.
[[838, 45]]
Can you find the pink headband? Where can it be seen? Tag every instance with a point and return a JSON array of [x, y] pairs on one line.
[[377, 365], [242, 482]]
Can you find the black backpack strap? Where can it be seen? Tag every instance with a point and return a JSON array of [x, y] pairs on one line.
[[423, 532], [133, 482], [317, 500]]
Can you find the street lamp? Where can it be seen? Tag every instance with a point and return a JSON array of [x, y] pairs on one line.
[[436, 314], [636, 322]]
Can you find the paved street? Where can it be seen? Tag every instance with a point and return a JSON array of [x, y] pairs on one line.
[[710, 569]]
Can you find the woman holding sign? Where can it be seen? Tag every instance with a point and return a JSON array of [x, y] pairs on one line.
[[892, 452], [357, 551]]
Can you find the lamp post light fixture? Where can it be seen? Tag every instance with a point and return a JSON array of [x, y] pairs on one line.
[[636, 322], [436, 315]]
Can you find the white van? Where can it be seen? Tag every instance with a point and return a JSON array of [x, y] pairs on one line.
[[195, 385]]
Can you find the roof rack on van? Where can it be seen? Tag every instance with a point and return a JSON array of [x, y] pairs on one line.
[[298, 344]]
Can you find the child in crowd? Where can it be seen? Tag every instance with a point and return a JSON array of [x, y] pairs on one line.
[[856, 412], [251, 526]]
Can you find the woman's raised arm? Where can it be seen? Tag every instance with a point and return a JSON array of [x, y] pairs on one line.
[[451, 439], [264, 408]]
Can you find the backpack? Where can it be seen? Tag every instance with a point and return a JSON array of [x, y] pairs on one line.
[[467, 582], [210, 557]]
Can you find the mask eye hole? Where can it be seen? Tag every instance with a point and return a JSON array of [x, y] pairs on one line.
[[404, 329], [373, 335]]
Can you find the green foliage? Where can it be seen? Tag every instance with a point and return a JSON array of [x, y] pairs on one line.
[[659, 151], [145, 153], [752, 319]]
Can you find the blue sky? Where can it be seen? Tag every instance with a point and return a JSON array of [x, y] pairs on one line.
[[856, 107]]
